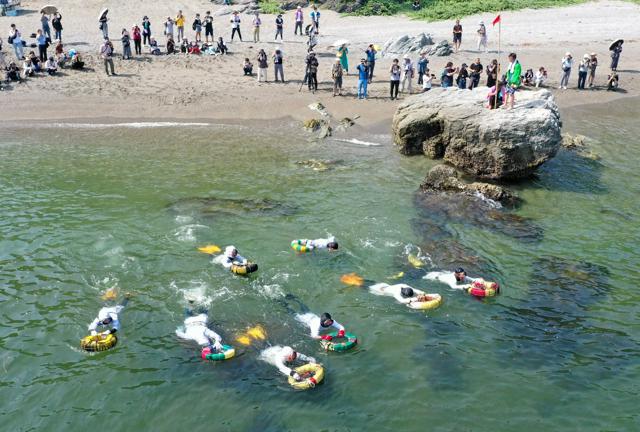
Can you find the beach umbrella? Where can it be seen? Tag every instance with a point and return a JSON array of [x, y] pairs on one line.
[[340, 42], [103, 14], [49, 10], [616, 42]]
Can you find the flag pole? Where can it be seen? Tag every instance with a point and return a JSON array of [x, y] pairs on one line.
[[498, 76]]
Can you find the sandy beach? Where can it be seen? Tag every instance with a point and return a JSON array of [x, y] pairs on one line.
[[181, 87]]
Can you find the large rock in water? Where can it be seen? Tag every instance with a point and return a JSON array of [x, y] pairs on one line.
[[456, 126]]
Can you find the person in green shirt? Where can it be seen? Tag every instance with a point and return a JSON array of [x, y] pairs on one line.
[[343, 51], [514, 76]]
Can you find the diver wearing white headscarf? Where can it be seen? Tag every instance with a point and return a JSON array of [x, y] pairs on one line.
[[195, 329], [280, 356], [230, 257]]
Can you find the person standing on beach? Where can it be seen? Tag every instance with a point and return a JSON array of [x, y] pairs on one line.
[[299, 21], [363, 78], [41, 39], [615, 55], [277, 64], [180, 25], [208, 27], [136, 35], [235, 25], [126, 45], [279, 26], [446, 78], [146, 30], [583, 71], [482, 36], [457, 36], [262, 65], [567, 64], [371, 60], [312, 72], [336, 75], [394, 78], [422, 66], [514, 76], [476, 71], [315, 18], [168, 27], [197, 27], [56, 22], [104, 26], [461, 79], [593, 65], [106, 52], [44, 21], [407, 74], [342, 54], [257, 22], [15, 38], [492, 73]]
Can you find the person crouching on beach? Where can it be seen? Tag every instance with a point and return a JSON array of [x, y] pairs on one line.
[[247, 67], [540, 77], [222, 48]]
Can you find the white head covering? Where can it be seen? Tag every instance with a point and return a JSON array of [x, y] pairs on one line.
[[228, 251], [287, 352]]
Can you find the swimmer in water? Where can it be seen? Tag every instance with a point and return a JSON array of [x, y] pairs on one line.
[[317, 324], [321, 243], [231, 257], [457, 279], [403, 293], [195, 329], [282, 356], [108, 318]]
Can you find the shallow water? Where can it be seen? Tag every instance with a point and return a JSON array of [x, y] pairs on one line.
[[84, 209]]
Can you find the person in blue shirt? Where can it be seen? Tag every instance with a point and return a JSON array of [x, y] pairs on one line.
[[371, 60], [315, 18], [42, 45], [363, 78]]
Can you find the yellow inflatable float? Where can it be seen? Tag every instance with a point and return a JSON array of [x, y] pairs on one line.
[[312, 374], [99, 342], [426, 302]]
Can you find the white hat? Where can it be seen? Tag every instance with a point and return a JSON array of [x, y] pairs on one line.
[[568, 54], [229, 250], [287, 352], [406, 56], [481, 23], [586, 56]]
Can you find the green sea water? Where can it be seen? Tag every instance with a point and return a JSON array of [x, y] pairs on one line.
[[85, 208]]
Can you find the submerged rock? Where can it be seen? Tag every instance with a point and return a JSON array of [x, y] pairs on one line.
[[317, 165], [443, 48], [456, 126], [406, 45], [444, 178], [322, 127], [213, 206]]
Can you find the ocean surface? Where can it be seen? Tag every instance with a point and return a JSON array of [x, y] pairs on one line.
[[85, 208]]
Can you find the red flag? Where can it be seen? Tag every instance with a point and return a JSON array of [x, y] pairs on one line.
[[496, 20]]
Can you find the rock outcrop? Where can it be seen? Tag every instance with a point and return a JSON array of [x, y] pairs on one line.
[[443, 178], [406, 45], [455, 125], [443, 48]]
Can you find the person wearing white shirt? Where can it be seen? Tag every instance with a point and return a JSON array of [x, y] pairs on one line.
[[403, 293], [195, 329], [317, 324], [321, 243], [107, 319], [282, 356], [230, 257], [456, 280]]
